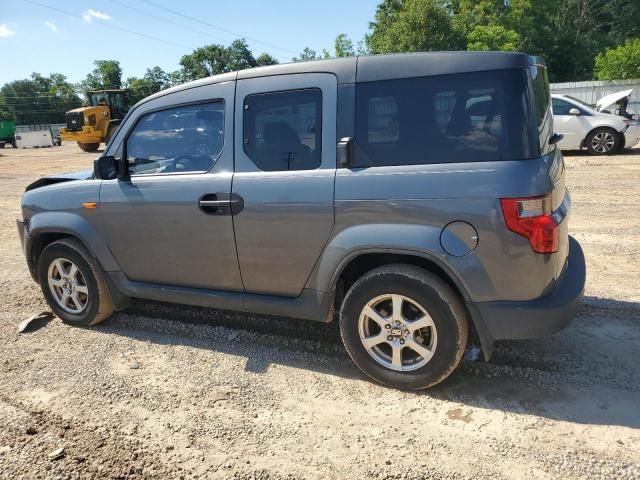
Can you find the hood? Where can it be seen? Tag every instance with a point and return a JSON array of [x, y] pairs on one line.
[[607, 100], [62, 177]]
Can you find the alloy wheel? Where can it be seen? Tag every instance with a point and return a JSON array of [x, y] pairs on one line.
[[68, 285], [397, 332], [603, 142]]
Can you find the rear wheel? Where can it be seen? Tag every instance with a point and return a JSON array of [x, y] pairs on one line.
[[88, 147], [603, 141], [404, 327], [72, 283]]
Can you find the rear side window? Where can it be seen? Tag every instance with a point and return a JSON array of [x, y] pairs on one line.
[[542, 107], [181, 139], [283, 130], [541, 93], [471, 117]]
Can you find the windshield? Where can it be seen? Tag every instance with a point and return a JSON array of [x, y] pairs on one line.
[[98, 99], [116, 100], [579, 102]]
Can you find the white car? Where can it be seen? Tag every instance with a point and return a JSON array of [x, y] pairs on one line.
[[593, 127]]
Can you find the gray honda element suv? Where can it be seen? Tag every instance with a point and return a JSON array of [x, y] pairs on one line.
[[418, 199]]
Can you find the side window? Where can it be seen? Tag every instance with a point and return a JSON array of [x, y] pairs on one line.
[[383, 120], [283, 130], [180, 139], [540, 81], [560, 107], [469, 117]]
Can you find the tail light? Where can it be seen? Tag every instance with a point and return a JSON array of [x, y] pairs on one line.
[[532, 218]]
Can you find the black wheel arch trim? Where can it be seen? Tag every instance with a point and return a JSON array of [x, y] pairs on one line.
[[486, 341]]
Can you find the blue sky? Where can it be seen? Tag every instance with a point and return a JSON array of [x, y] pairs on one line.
[[34, 38]]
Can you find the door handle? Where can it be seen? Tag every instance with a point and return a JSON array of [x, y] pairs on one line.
[[213, 203], [224, 203]]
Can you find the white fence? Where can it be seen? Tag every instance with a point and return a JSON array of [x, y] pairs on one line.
[[590, 92]]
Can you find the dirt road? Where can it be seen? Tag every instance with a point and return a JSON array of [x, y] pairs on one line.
[[163, 392]]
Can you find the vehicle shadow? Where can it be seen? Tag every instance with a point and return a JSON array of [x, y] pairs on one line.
[[585, 153], [587, 374]]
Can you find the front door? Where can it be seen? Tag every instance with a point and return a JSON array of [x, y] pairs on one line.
[[573, 128], [171, 223], [285, 167]]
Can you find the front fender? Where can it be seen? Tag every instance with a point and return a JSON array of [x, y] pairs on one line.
[[72, 224], [416, 240]]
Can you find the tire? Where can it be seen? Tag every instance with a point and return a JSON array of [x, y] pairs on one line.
[[55, 265], [110, 132], [420, 292], [603, 141], [88, 147]]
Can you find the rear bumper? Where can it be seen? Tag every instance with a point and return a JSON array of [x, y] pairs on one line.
[[545, 316]]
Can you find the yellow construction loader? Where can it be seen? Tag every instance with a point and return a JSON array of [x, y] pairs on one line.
[[90, 126]]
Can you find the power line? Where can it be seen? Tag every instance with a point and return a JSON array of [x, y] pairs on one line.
[[147, 14], [11, 96], [175, 12], [122, 29]]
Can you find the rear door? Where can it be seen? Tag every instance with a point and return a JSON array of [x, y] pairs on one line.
[[285, 161]]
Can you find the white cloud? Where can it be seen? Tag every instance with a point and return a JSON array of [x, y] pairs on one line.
[[6, 32], [52, 26], [90, 14]]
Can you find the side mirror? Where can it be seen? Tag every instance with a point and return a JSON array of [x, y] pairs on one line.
[[105, 168], [345, 153], [555, 138], [574, 111]]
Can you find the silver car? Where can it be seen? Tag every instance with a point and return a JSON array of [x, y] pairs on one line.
[[592, 126], [417, 199]]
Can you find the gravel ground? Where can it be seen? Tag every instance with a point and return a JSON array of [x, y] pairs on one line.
[[178, 392]]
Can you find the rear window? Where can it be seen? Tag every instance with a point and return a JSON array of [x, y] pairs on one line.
[[471, 117]]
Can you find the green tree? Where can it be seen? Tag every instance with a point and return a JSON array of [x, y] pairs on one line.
[[619, 63], [107, 74], [214, 59], [344, 46], [39, 99], [413, 26], [492, 37], [6, 114], [577, 35], [154, 80], [178, 77], [306, 54], [492, 23], [265, 59], [621, 19]]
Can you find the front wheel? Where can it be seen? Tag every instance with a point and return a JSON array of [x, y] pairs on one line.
[[111, 130], [72, 283], [603, 141], [404, 327], [89, 147]]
